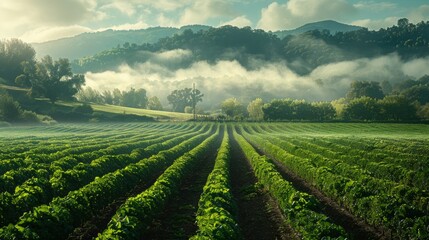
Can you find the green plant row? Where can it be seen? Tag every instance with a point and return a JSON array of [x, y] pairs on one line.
[[13, 178], [383, 176], [42, 156], [301, 210], [37, 191], [381, 168], [374, 152], [216, 215], [63, 214], [401, 209], [136, 214]]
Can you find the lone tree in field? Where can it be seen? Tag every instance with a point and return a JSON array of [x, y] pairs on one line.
[[182, 98]]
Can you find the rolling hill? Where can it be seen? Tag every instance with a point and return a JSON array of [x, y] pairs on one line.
[[88, 44]]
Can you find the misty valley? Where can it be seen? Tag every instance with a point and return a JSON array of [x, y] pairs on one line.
[[181, 129]]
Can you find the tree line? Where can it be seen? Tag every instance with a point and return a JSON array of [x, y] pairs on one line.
[[365, 101]]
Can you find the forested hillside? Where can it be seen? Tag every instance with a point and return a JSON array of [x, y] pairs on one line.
[[303, 52]]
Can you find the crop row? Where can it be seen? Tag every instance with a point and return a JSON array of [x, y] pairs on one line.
[[36, 191], [135, 215], [300, 209], [376, 157], [379, 202], [63, 214], [216, 207]]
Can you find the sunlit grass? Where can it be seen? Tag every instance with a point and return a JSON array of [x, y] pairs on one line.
[[159, 115]]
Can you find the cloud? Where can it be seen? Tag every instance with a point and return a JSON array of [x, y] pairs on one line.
[[295, 13], [49, 12], [241, 21], [124, 7], [202, 10], [377, 23], [18, 17], [45, 34], [375, 6], [126, 26], [163, 5], [420, 14], [268, 80]]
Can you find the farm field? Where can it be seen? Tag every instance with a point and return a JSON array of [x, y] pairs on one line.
[[215, 181]]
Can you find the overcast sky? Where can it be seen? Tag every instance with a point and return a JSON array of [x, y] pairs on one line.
[[42, 20]]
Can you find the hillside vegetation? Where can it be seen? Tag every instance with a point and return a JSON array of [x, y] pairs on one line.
[[312, 49]]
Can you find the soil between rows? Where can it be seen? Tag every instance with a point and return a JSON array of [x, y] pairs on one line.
[[98, 223], [178, 220], [355, 227], [90, 229], [259, 217]]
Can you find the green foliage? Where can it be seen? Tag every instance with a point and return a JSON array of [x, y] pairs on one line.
[[135, 215], [186, 97], [233, 108], [300, 209], [216, 215], [10, 110], [363, 108], [154, 103], [349, 178], [54, 79], [312, 49], [14, 53], [63, 214], [288, 109], [255, 110], [360, 89]]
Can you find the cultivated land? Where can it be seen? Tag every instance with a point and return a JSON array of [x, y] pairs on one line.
[[214, 181]]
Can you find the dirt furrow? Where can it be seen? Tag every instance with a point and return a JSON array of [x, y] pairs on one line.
[[355, 227], [178, 220], [259, 217]]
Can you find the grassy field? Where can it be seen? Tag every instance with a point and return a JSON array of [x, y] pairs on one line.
[[180, 180], [159, 115]]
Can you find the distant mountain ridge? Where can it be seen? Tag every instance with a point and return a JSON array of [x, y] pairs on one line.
[[88, 44], [330, 25]]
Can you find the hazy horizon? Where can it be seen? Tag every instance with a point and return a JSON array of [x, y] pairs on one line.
[[44, 20]]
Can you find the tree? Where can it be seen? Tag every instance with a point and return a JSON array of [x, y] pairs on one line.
[[365, 89], [423, 112], [154, 104], [419, 93], [397, 108], [278, 109], [54, 79], [323, 111], [182, 98], [10, 111], [403, 23], [255, 109], [89, 95], [107, 97], [117, 96], [134, 98], [339, 106], [13, 53], [233, 108], [363, 108]]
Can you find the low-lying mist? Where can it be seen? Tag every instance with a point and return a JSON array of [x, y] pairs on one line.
[[268, 80]]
